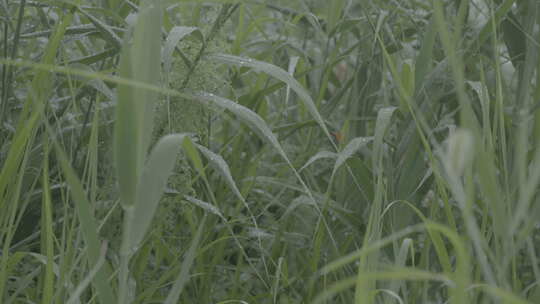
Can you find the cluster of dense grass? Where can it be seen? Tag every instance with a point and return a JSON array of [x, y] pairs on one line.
[[251, 151]]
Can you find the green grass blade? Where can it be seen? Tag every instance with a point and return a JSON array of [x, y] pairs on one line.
[[107, 32], [88, 227], [74, 298], [205, 206], [192, 153], [146, 65], [223, 168], [282, 75], [316, 157], [152, 185], [352, 147], [183, 276], [141, 62], [424, 59], [254, 121], [47, 235], [176, 34], [381, 126]]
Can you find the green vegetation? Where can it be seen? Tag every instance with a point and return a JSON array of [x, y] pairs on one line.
[[252, 151]]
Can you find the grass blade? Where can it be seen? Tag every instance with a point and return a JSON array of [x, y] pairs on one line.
[[152, 185], [282, 75], [189, 258], [140, 61], [176, 34], [74, 298], [353, 146], [381, 126], [88, 227]]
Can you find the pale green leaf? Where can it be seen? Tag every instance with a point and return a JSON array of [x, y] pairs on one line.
[[176, 34], [381, 126], [316, 157], [152, 185], [282, 75], [352, 147]]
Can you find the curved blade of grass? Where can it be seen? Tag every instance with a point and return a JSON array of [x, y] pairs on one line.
[[206, 206], [383, 121], [93, 58], [74, 298], [438, 243], [401, 260], [176, 34], [24, 283], [254, 121], [282, 75], [392, 295], [107, 32], [316, 157], [353, 146], [221, 164], [259, 126], [460, 277], [402, 274], [355, 255], [193, 155], [292, 67], [183, 276], [292, 127], [152, 185], [101, 87], [501, 294]]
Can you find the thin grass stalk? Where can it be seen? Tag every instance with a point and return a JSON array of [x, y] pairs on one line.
[[47, 234], [7, 71]]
